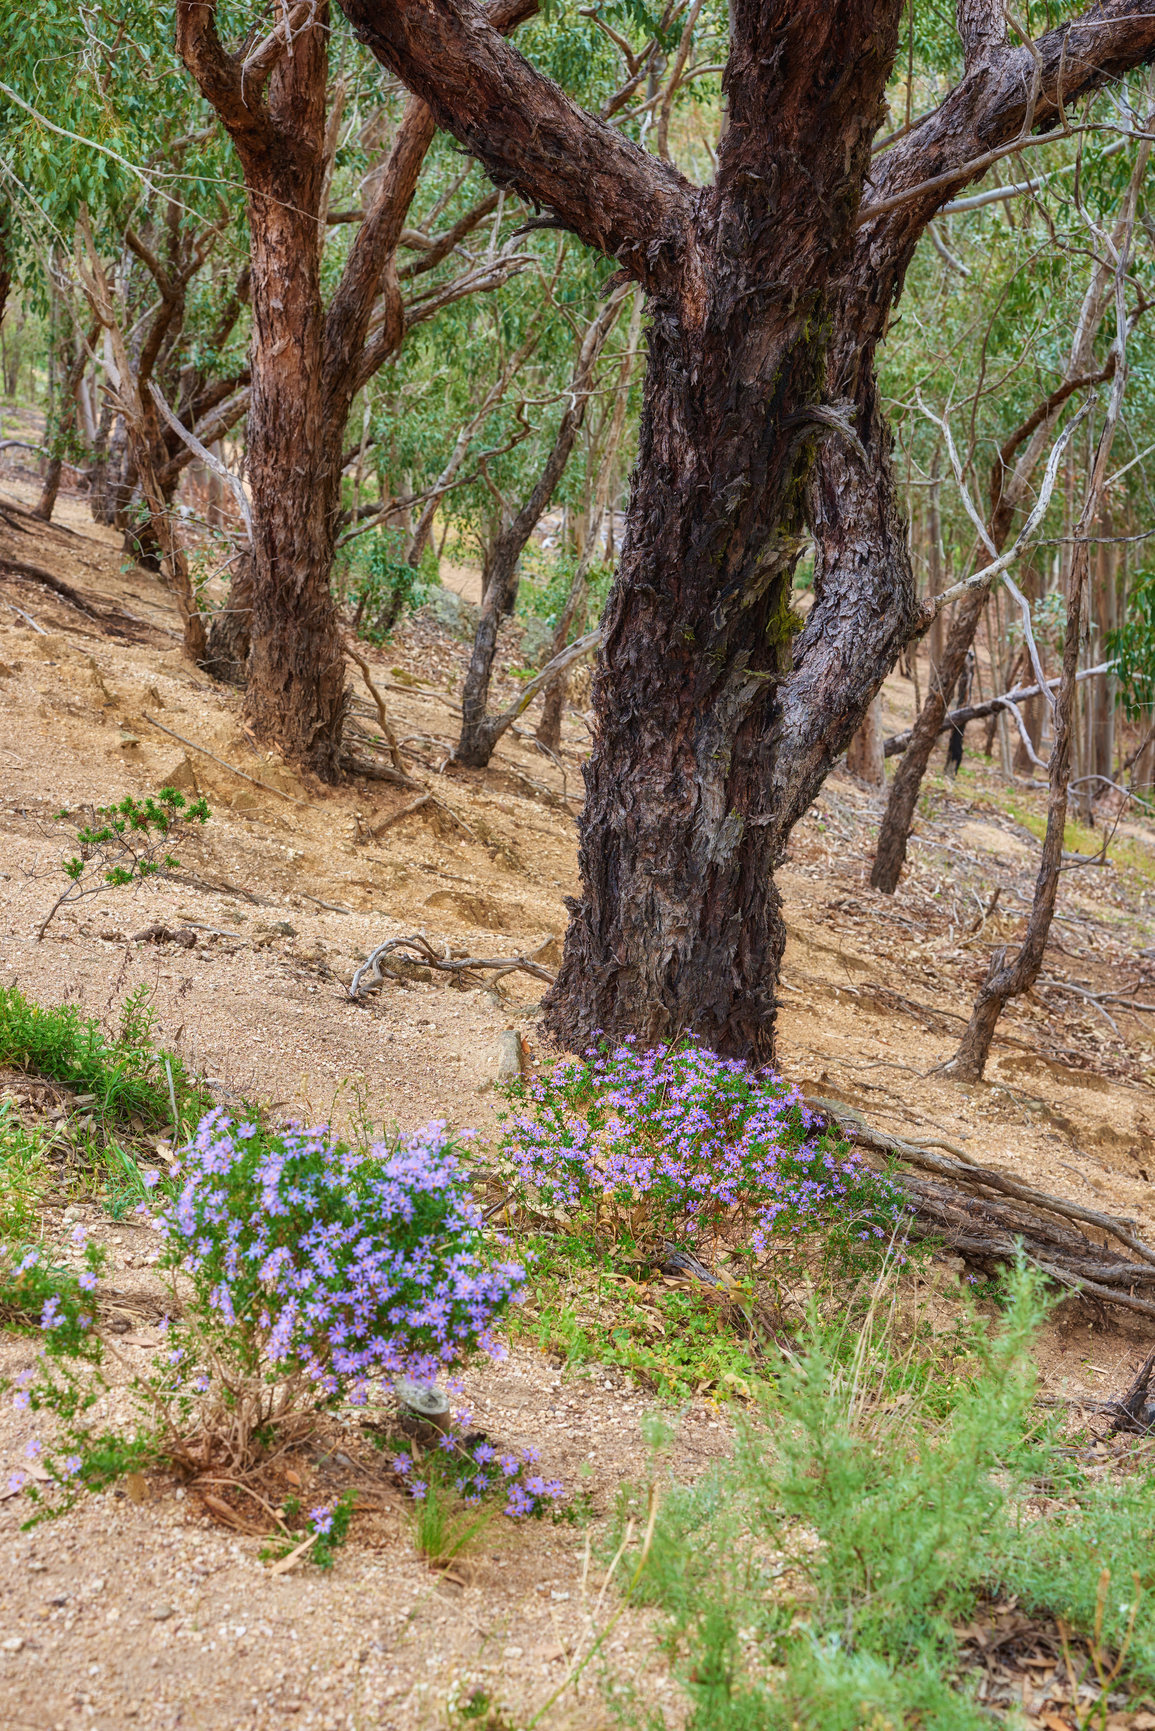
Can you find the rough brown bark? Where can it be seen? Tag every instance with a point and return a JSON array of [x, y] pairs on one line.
[[715, 724]]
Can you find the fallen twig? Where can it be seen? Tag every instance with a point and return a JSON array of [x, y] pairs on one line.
[[333, 907], [391, 738], [369, 975], [205, 752]]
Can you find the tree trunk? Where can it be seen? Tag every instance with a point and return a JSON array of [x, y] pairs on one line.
[[1103, 696], [1004, 979], [295, 694], [708, 744], [499, 576], [864, 755], [66, 416], [890, 854], [229, 637]]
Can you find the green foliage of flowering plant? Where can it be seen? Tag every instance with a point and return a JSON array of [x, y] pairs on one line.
[[644, 1146], [303, 1270], [125, 843], [320, 1532]]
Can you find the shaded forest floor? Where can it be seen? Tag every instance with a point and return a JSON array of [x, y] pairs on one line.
[[151, 1613]]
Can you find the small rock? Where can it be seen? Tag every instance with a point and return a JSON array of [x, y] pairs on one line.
[[58, 1599], [536, 640], [38, 1568], [161, 1613], [512, 1652], [13, 1644], [285, 929], [452, 612]]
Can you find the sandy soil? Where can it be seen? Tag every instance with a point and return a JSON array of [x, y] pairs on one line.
[[146, 1613]]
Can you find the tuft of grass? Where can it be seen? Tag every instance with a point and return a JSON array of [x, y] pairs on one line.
[[126, 1075], [128, 1091], [441, 1527]]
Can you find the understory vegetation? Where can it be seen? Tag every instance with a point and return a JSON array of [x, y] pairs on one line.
[[889, 1480], [825, 1578]]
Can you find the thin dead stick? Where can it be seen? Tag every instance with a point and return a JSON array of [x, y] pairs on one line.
[[27, 618], [333, 907], [379, 829], [205, 752], [369, 975], [383, 719]]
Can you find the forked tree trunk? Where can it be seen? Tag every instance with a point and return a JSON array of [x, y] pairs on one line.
[[767, 304]]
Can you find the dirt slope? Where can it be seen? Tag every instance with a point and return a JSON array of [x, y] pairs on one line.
[[145, 1613]]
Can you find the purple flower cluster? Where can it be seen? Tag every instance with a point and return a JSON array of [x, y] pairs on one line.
[[688, 1144], [343, 1263], [479, 1477]]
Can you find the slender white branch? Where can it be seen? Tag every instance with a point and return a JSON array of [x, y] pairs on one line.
[[202, 451], [1003, 561]]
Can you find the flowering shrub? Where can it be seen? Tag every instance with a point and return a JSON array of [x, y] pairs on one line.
[[304, 1270], [477, 1472], [316, 1268], [681, 1144]]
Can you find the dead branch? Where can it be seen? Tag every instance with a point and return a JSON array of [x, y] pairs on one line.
[[355, 656], [369, 976], [991, 1217], [898, 742], [233, 770]]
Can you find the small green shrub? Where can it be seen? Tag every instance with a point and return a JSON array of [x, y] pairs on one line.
[[124, 844], [547, 575], [815, 1583]]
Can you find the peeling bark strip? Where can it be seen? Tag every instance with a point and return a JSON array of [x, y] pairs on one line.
[[768, 295]]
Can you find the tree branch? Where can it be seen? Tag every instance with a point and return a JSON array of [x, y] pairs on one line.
[[370, 269], [530, 136]]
